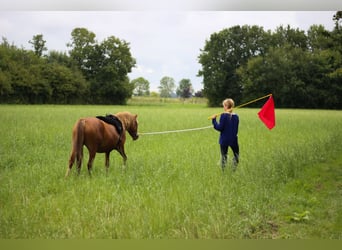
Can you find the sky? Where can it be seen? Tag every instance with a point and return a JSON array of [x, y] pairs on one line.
[[164, 43]]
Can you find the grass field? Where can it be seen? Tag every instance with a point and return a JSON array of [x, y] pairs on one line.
[[287, 185]]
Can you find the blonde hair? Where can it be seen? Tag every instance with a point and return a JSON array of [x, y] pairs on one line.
[[229, 103]]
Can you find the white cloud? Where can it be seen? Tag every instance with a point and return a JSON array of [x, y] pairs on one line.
[[140, 70]]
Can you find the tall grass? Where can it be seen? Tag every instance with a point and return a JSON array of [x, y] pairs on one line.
[[173, 186]]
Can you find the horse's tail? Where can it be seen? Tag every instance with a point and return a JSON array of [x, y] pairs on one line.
[[79, 139], [77, 145]]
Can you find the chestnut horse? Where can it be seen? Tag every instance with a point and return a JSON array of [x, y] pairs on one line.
[[100, 137]]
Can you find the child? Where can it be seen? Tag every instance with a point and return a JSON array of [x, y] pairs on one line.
[[228, 126]]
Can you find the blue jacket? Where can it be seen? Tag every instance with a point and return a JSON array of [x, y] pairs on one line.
[[228, 126]]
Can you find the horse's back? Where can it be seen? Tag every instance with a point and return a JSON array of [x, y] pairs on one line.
[[98, 135], [93, 126]]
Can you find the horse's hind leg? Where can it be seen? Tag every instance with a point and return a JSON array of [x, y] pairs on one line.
[[74, 156], [90, 161], [79, 158], [107, 162], [71, 163]]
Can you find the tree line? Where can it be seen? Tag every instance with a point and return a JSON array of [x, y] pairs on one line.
[[91, 71], [166, 88], [301, 69]]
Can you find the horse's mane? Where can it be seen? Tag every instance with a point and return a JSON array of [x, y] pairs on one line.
[[126, 118], [113, 120]]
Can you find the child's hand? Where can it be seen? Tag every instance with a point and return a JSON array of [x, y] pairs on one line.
[[213, 117]]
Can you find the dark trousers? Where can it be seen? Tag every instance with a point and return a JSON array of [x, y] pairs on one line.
[[224, 153]]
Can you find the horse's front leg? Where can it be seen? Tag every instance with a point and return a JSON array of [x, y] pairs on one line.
[[107, 162], [121, 150]]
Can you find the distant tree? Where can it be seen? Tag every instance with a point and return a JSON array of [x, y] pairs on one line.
[[154, 94], [109, 66], [337, 32], [38, 44], [199, 93], [141, 87], [105, 65], [184, 89], [22, 80], [5, 75], [280, 72], [337, 18], [336, 76], [5, 84], [166, 87], [319, 38], [298, 78], [81, 48], [223, 54], [282, 36], [61, 58], [27, 78], [68, 86]]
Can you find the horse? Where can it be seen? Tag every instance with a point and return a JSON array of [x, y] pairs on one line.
[[100, 137]]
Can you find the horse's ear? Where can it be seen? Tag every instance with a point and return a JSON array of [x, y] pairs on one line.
[[136, 116]]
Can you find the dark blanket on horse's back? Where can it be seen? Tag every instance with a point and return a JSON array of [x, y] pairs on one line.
[[113, 120]]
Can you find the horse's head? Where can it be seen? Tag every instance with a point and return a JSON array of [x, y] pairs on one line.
[[133, 128], [130, 122]]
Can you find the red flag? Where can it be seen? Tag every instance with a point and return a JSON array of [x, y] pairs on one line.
[[266, 114]]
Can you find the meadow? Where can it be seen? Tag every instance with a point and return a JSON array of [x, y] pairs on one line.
[[287, 185]]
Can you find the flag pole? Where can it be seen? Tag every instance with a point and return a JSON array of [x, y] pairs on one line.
[[245, 104]]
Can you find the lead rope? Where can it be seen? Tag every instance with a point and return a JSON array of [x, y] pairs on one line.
[[175, 131], [201, 128]]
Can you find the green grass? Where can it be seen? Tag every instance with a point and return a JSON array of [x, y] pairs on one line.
[[311, 203], [173, 186]]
